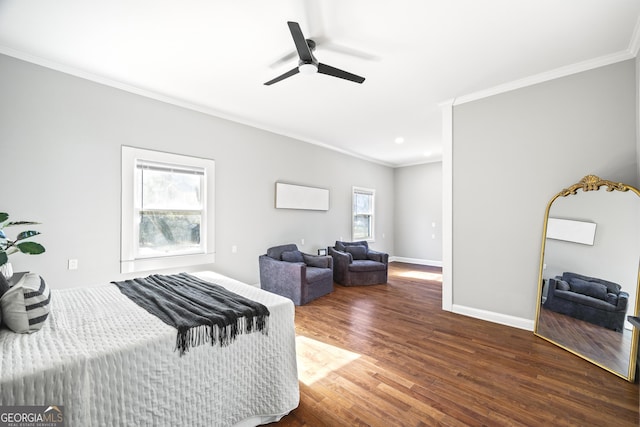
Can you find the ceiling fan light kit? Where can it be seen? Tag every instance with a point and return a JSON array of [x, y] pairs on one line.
[[307, 68], [308, 64]]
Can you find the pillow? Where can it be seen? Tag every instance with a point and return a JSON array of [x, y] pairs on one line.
[[4, 287], [612, 298], [592, 289], [292, 256], [358, 252], [562, 285], [316, 261], [25, 306], [614, 288]]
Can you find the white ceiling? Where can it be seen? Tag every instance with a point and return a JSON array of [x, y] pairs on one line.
[[215, 55]]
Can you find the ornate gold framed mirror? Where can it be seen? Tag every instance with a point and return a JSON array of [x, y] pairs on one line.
[[590, 273]]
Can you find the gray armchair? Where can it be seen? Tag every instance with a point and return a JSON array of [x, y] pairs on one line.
[[286, 271], [355, 264]]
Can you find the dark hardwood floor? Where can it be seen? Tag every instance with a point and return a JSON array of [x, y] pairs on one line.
[[387, 355], [602, 345]]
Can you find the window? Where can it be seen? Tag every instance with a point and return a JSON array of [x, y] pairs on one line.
[[363, 209], [167, 210]]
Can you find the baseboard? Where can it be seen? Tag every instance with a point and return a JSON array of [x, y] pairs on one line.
[[415, 261], [490, 316]]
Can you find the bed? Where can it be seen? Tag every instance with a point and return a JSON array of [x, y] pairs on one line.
[[108, 362]]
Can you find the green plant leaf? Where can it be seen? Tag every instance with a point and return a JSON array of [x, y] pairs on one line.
[[3, 258], [26, 235], [4, 216], [31, 248], [12, 223]]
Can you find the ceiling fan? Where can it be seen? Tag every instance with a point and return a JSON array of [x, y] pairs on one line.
[[307, 63]]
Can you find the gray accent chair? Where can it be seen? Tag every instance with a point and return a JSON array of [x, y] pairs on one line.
[[301, 277], [355, 264]]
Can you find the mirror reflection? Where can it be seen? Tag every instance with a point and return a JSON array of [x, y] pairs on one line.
[[589, 273]]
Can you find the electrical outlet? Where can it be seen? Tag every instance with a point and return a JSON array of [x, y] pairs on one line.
[[72, 264], [302, 241], [234, 249]]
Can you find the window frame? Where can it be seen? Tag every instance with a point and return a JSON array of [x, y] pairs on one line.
[[372, 193], [130, 260]]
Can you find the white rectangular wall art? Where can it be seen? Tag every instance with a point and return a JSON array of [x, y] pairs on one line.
[[571, 231], [291, 196]]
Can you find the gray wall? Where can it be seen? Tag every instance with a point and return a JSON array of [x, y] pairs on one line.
[[511, 153], [60, 139], [418, 192]]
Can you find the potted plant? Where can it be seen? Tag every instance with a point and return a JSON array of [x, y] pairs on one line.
[[8, 247]]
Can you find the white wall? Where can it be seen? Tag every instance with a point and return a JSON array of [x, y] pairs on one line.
[[60, 139], [511, 153], [418, 195]]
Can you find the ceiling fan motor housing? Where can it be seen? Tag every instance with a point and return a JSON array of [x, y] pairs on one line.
[[308, 64], [311, 44]]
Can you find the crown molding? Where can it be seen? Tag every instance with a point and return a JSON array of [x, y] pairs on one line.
[[634, 44], [47, 63], [549, 75], [434, 159]]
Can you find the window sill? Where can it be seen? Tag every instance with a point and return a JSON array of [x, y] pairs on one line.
[[147, 264]]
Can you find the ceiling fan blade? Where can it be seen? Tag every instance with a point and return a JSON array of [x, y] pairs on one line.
[[312, 10], [284, 59], [329, 44], [283, 76], [336, 72], [301, 43]]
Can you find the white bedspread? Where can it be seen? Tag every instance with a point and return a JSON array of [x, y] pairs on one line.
[[110, 363]]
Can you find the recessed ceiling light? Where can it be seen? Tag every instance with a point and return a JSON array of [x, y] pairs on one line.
[[399, 140]]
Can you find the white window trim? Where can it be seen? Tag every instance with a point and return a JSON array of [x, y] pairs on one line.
[[371, 191], [128, 261]]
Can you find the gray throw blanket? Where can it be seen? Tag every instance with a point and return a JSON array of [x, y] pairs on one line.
[[201, 311]]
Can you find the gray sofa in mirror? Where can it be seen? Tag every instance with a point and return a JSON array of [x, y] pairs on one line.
[[590, 299], [301, 277], [355, 264]]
